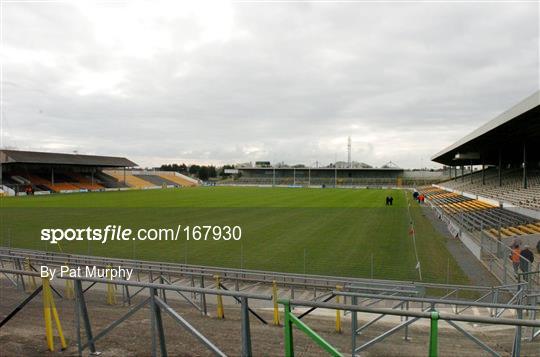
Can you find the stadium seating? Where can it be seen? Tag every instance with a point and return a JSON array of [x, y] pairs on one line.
[[131, 180], [178, 179], [157, 180], [510, 191], [477, 215], [108, 181], [63, 182], [56, 187], [85, 182]]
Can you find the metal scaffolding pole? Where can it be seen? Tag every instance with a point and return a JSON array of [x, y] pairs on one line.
[[82, 310], [246, 334], [157, 325]]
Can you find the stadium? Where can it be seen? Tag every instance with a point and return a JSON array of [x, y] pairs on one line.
[[320, 256]]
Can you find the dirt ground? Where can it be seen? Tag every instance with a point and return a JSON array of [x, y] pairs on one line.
[[24, 335]]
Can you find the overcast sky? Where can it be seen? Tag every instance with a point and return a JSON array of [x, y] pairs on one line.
[[225, 82]]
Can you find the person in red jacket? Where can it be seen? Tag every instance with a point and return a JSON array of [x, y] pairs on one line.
[[515, 257]]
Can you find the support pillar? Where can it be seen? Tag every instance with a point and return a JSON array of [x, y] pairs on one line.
[[52, 175], [483, 173], [470, 174], [500, 168], [462, 173], [525, 183]]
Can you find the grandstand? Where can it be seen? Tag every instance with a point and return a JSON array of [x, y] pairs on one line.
[[42, 172], [335, 177], [26, 172], [489, 208], [506, 148]]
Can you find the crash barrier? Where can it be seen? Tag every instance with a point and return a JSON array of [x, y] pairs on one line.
[[156, 303], [498, 299], [433, 315], [292, 282]]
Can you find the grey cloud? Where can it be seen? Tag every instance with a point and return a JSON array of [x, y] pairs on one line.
[[290, 83]]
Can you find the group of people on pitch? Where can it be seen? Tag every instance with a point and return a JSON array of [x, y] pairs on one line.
[[389, 200], [521, 257]]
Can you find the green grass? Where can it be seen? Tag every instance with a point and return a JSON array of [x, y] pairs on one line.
[[317, 231]]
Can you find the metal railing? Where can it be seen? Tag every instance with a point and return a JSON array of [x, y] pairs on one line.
[[430, 313], [294, 283], [156, 304], [405, 303]]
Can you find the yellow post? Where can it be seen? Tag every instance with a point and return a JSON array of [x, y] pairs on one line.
[[49, 312], [57, 320], [338, 312], [220, 311], [31, 283], [69, 291], [274, 300], [111, 289]]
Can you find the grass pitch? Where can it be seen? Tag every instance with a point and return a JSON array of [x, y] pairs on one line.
[[315, 231]]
